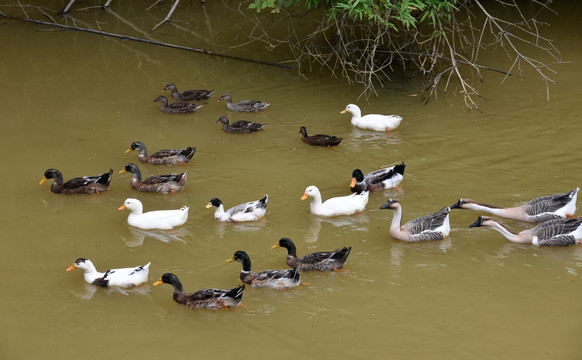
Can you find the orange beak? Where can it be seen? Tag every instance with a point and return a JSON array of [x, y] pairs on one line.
[[71, 268], [305, 196], [353, 183], [343, 111], [122, 207]]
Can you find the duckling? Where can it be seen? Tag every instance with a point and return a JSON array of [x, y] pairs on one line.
[[320, 261], [540, 209], [240, 126], [249, 211], [167, 157], [387, 178], [188, 95], [80, 185], [164, 184], [554, 232], [275, 279], [319, 139], [429, 227], [243, 106], [341, 205], [125, 277], [213, 299], [372, 121], [159, 219], [177, 107]]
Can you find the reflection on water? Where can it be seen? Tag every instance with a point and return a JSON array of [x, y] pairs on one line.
[[347, 224], [139, 235], [88, 290]]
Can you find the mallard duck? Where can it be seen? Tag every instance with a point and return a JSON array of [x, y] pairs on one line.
[[429, 227], [249, 211], [164, 184], [243, 106], [213, 299], [168, 157], [125, 277], [177, 107], [342, 205], [319, 139], [554, 232], [240, 126], [387, 178], [275, 279], [81, 185], [540, 209], [321, 261], [188, 95], [159, 219], [372, 121]]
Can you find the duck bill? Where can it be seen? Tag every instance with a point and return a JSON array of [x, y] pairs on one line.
[[231, 259], [42, 181], [122, 207], [343, 111], [158, 282], [305, 196], [477, 223], [122, 171], [353, 183], [128, 150], [456, 205], [208, 206], [276, 246], [71, 268]]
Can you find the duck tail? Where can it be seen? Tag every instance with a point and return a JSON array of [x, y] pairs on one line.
[[399, 169]]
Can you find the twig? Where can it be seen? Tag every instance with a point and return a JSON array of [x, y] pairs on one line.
[[169, 16]]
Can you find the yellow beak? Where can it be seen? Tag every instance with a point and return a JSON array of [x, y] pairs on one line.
[[42, 181], [275, 246], [231, 259], [128, 150], [158, 282], [353, 183], [305, 196]]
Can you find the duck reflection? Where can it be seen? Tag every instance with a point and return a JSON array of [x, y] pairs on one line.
[[221, 227], [138, 236], [358, 222], [88, 290]]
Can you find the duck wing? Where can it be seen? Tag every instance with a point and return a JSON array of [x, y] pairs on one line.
[[548, 203], [427, 222]]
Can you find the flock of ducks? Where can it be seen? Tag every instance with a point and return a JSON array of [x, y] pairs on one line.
[[554, 213]]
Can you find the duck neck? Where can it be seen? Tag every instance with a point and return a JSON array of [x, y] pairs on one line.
[[291, 250], [219, 212], [508, 213], [315, 202], [396, 220], [246, 264], [521, 238]]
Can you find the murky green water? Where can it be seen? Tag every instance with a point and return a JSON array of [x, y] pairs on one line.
[[76, 101]]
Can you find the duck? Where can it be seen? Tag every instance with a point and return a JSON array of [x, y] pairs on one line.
[[159, 219], [557, 206], [249, 211], [243, 106], [164, 184], [274, 279], [125, 277], [79, 185], [188, 95], [213, 299], [372, 121], [429, 227], [319, 139], [382, 179], [166, 156], [177, 107], [240, 126], [554, 232], [320, 261], [342, 205]]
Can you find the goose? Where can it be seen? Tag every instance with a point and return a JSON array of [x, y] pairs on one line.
[[244, 105], [387, 178], [555, 232], [320, 261], [188, 95], [213, 299], [125, 277], [177, 107], [249, 211], [166, 156], [372, 121], [274, 279], [165, 184], [428, 227], [160, 219], [342, 205], [80, 185], [537, 210]]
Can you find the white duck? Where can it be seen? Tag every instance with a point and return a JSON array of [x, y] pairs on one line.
[[125, 277], [540, 209], [372, 121], [429, 227], [160, 219], [249, 211], [556, 232], [342, 205]]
